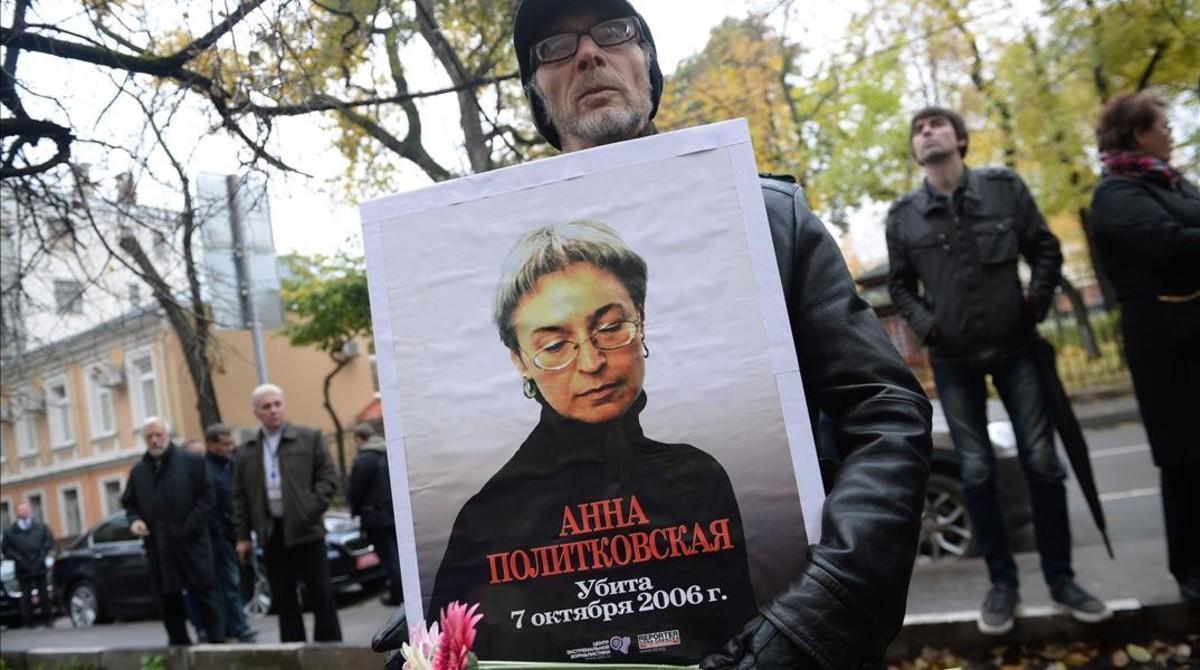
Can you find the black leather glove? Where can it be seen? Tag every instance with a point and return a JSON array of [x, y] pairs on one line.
[[760, 646]]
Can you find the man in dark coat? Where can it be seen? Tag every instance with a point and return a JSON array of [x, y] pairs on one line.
[[218, 456], [953, 247], [370, 496], [27, 542], [283, 482], [168, 499]]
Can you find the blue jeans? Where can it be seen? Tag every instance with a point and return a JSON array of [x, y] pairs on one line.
[[227, 585], [964, 397]]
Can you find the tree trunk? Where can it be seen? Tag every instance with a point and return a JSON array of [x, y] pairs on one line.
[[338, 432], [194, 345]]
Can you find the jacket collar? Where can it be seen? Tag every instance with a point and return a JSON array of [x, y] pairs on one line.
[[166, 456], [219, 460], [375, 443], [287, 432], [926, 199]]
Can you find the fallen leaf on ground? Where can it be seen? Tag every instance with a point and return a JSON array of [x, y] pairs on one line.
[[1138, 653]]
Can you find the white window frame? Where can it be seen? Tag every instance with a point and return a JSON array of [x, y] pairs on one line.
[[95, 395], [25, 429], [133, 382], [77, 486], [120, 480], [59, 441], [40, 493]]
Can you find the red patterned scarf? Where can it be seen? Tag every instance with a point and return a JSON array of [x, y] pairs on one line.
[[1137, 164]]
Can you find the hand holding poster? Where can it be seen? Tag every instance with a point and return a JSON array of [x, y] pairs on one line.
[[595, 420]]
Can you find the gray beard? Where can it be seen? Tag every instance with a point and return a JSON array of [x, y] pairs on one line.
[[606, 126], [602, 126]]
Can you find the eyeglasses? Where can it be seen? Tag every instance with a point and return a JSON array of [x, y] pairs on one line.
[[606, 34], [561, 353]]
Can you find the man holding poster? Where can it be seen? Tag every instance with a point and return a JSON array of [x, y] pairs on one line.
[[592, 78]]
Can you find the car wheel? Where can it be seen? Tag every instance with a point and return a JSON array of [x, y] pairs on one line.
[[946, 530], [259, 603], [83, 607]]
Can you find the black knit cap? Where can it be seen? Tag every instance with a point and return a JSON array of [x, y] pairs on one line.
[[529, 26]]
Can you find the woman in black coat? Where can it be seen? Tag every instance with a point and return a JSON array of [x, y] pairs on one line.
[[1146, 224]]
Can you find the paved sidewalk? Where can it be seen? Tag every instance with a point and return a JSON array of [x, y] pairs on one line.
[[1104, 411]]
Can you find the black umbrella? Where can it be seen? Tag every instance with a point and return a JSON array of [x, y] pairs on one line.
[[1071, 434]]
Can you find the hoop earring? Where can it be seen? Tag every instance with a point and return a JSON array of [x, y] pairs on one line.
[[529, 388], [645, 349]]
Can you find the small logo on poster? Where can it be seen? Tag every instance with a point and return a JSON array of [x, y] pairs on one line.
[[620, 644], [666, 638]]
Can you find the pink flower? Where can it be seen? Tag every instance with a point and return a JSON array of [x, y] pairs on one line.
[[458, 635]]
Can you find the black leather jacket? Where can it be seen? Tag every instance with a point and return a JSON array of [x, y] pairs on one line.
[[963, 251], [850, 600]]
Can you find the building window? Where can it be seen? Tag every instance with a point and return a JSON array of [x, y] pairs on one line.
[[112, 496], [35, 506], [143, 386], [101, 417], [5, 515], [26, 432], [72, 511], [58, 412], [68, 296]]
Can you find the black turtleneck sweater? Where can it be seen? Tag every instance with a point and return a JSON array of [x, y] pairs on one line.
[[579, 503]]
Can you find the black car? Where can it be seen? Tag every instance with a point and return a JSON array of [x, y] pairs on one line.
[[104, 574]]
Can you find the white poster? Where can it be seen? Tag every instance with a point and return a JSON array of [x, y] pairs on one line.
[[596, 425]]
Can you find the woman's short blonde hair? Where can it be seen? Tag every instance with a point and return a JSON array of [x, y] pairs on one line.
[[548, 249]]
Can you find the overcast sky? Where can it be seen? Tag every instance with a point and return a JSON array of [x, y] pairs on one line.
[[313, 216]]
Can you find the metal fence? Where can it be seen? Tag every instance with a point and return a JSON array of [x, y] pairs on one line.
[[1087, 363]]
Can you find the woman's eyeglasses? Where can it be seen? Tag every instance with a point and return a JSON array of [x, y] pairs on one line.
[[559, 354]]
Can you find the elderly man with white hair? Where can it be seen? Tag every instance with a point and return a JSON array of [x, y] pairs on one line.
[[167, 500], [283, 482]]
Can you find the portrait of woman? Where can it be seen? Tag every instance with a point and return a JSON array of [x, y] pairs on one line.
[[1146, 224], [592, 530]]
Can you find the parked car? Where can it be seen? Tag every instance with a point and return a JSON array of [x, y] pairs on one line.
[[104, 574], [10, 592], [946, 530]]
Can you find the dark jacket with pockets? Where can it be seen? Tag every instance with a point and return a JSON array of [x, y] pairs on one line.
[[953, 266], [173, 498], [28, 548], [220, 471], [309, 481], [370, 488]]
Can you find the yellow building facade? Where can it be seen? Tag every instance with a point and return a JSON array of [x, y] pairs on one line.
[[72, 411]]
